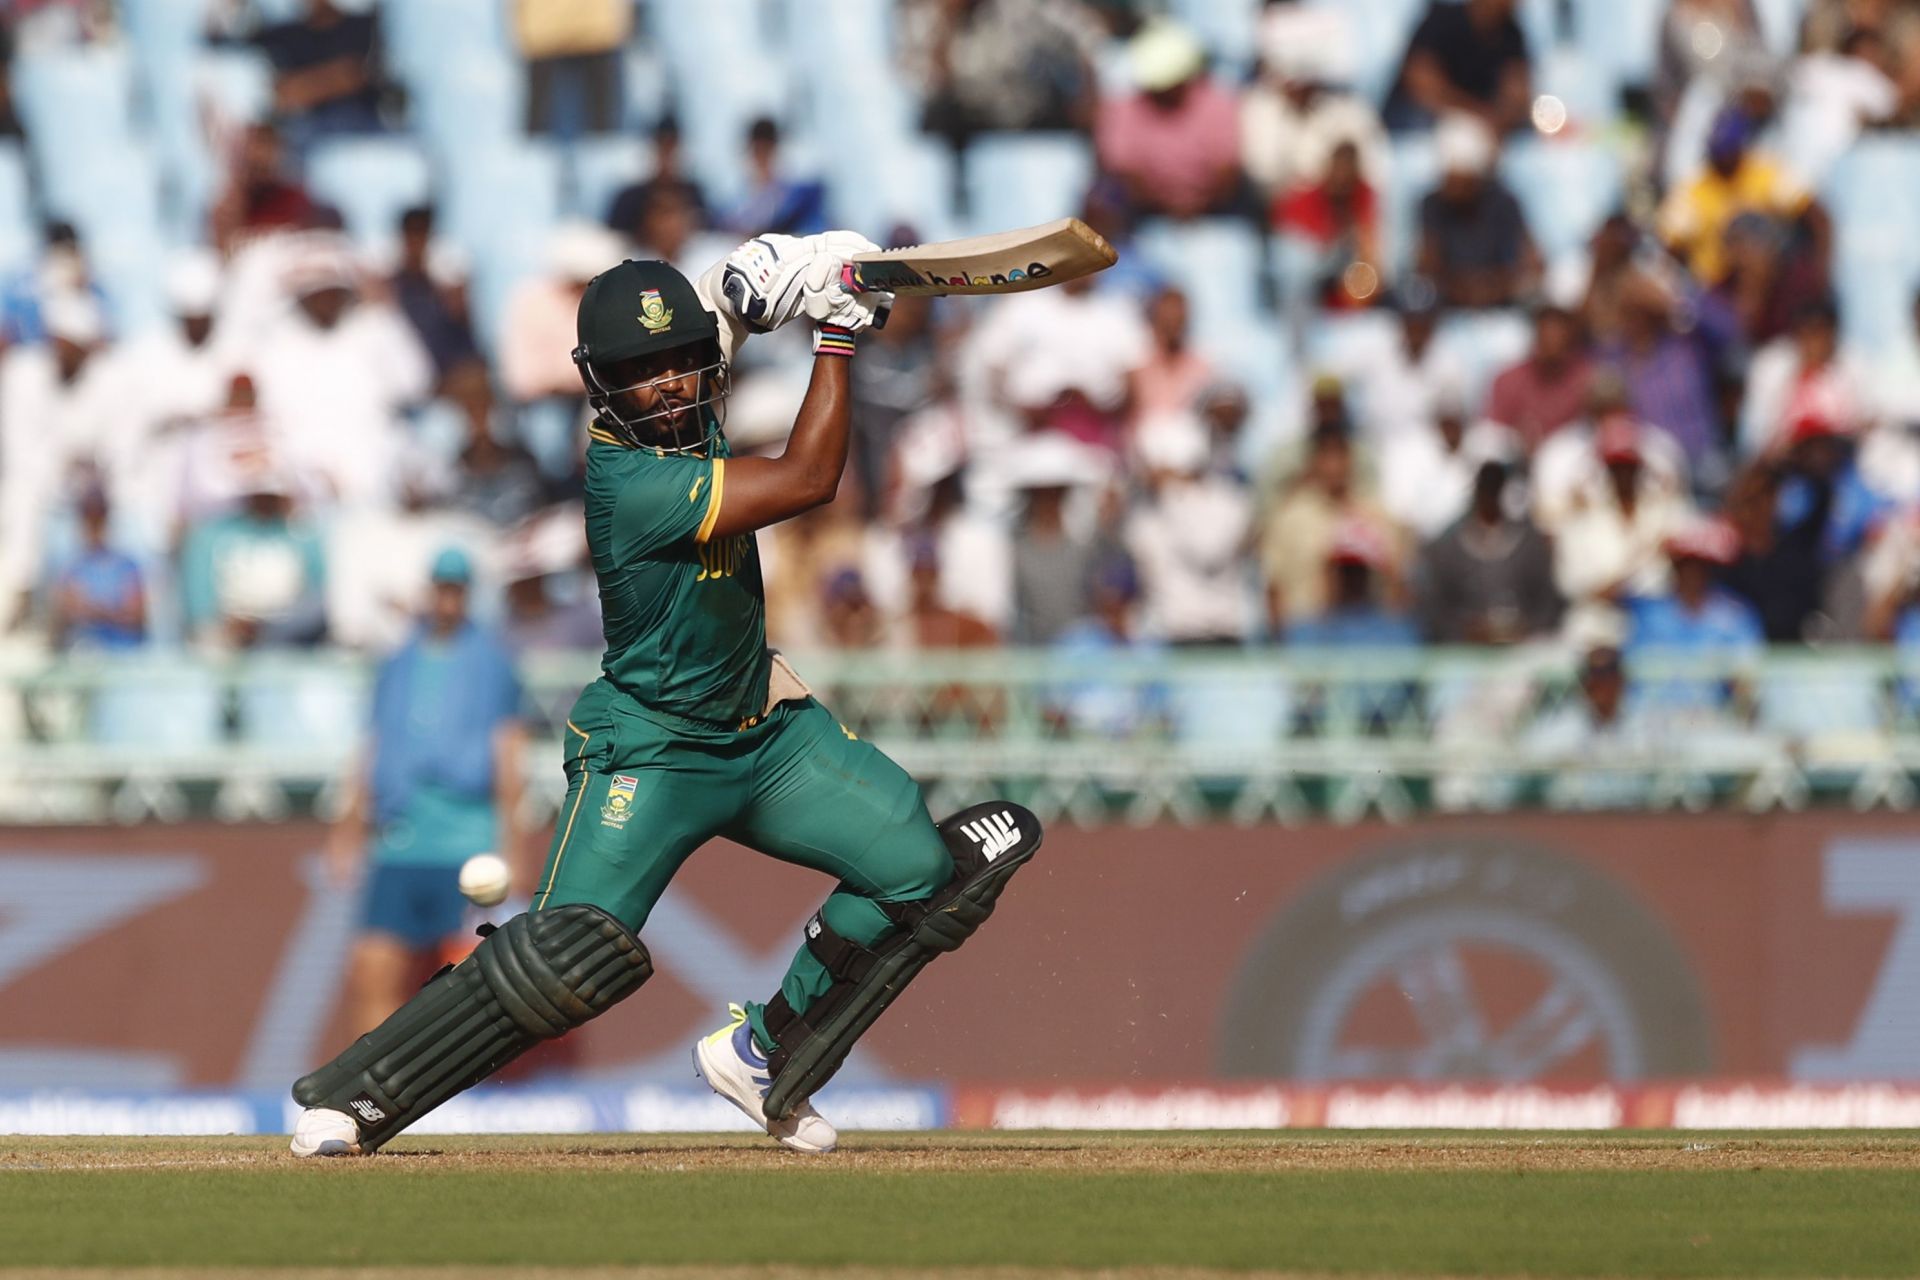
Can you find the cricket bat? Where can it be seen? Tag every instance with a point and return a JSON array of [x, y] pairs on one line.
[[1005, 262]]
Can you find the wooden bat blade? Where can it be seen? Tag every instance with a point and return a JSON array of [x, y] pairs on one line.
[[1005, 262]]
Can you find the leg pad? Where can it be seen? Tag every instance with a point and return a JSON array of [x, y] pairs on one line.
[[536, 977], [988, 842]]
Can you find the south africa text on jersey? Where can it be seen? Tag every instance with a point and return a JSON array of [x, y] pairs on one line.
[[722, 557]]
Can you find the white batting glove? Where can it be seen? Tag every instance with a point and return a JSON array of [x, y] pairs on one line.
[[765, 280], [832, 304]]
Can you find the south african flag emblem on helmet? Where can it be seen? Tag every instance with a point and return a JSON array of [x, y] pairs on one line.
[[655, 314]]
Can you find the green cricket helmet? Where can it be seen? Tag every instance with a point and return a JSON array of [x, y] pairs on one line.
[[631, 317]]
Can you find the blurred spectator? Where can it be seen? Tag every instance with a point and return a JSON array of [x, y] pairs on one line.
[[895, 377], [176, 375], [429, 285], [1736, 179], [1551, 386], [1293, 118], [1567, 466], [775, 201], [1777, 571], [1612, 543], [1591, 286], [551, 604], [1052, 560], [98, 600], [536, 340], [256, 577], [572, 53], [1805, 375], [1464, 57], [930, 622], [1339, 216], [1474, 243], [848, 619], [1062, 358], [62, 269], [1174, 144], [259, 196], [59, 405], [440, 782], [1696, 618], [1402, 387], [1427, 470], [1109, 703], [973, 551], [669, 229], [1172, 377], [1833, 96], [799, 562], [9, 122], [1703, 36], [1189, 537], [1667, 371], [495, 478], [1298, 536], [1771, 276], [1829, 25], [624, 215], [334, 375], [327, 72], [1594, 747], [1356, 613], [1488, 579], [1823, 497], [987, 65]]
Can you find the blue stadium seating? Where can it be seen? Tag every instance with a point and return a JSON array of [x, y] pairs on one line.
[[1016, 180], [424, 37], [180, 711], [1413, 173], [1621, 35], [1219, 262], [313, 710], [18, 233], [75, 104], [1566, 186], [892, 180], [371, 181], [470, 103], [1873, 194], [1381, 29]]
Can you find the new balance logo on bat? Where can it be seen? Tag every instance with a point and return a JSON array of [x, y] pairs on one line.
[[364, 1107], [995, 834]]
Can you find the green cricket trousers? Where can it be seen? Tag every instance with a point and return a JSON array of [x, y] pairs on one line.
[[645, 789]]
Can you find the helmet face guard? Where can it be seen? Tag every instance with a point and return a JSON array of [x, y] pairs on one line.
[[688, 428]]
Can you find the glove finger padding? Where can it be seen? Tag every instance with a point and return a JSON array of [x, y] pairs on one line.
[[764, 280]]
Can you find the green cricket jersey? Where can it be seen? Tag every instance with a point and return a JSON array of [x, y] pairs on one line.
[[684, 614]]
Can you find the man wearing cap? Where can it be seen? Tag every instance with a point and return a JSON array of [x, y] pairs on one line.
[[1474, 243], [696, 729], [1696, 618], [1174, 144], [439, 782], [1736, 179]]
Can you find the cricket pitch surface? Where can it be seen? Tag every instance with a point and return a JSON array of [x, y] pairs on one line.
[[954, 1205]]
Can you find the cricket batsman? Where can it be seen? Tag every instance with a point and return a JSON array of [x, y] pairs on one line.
[[695, 729]]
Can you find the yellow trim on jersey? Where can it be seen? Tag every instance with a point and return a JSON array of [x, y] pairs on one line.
[[586, 780], [713, 500], [605, 437]]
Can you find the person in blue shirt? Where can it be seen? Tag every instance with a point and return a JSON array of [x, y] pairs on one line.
[[1111, 704], [1697, 621], [775, 202], [1356, 618], [441, 782], [99, 599]]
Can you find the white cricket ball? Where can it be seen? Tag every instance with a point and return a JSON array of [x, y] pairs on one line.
[[484, 879]]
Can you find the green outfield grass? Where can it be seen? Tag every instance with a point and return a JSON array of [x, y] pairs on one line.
[[1414, 1205]]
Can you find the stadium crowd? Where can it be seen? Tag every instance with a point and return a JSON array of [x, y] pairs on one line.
[[1683, 451]]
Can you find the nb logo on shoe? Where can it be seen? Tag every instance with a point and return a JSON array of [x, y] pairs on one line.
[[995, 834], [364, 1107]]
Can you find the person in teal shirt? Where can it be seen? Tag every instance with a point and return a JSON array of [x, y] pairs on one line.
[[441, 783]]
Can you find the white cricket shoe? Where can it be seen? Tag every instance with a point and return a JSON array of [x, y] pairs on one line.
[[733, 1067], [320, 1132]]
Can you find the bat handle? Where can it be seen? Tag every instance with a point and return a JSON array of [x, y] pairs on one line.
[[851, 279]]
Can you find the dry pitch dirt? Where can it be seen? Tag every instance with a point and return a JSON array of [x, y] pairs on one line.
[[987, 1152]]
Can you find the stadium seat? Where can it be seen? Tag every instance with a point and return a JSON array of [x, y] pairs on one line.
[[424, 38], [1484, 343], [1018, 179], [1623, 35], [74, 101], [1226, 27], [18, 234], [371, 181], [597, 170], [1780, 24], [1873, 194], [313, 709], [469, 104], [1567, 187], [1219, 263], [506, 191], [1381, 29], [892, 179]]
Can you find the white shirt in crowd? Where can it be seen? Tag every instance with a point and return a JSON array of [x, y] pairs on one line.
[[1189, 543], [1565, 470], [336, 395], [1426, 486], [47, 429], [1779, 390], [1598, 546]]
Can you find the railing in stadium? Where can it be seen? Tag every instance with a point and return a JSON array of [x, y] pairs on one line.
[[1285, 734]]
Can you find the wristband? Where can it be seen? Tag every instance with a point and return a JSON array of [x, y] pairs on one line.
[[833, 340]]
